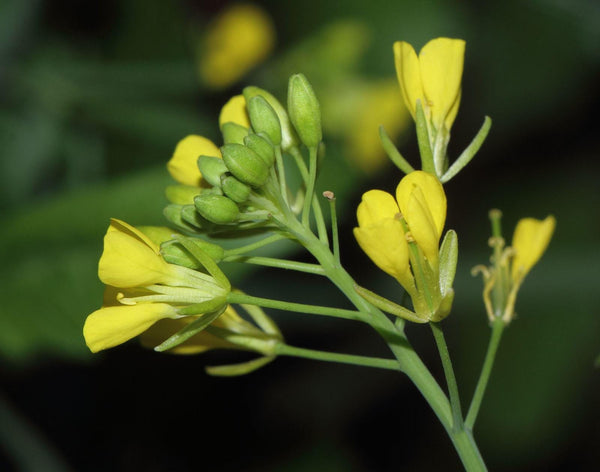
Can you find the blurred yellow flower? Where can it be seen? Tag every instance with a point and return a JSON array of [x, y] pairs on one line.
[[387, 226], [434, 78], [241, 37]]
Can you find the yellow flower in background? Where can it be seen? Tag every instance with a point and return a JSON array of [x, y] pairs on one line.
[[530, 240], [387, 226], [183, 165], [433, 77], [241, 37]]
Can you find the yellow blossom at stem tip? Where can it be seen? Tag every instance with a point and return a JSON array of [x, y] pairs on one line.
[[183, 166], [530, 240]]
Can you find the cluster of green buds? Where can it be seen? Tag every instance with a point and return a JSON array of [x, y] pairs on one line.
[[242, 184]]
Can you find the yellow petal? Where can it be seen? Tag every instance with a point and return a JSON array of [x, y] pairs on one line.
[[386, 246], [235, 111], [530, 240], [441, 62], [183, 165], [130, 258], [375, 206], [158, 234], [200, 342], [240, 38], [409, 75], [111, 326], [433, 192], [422, 226]]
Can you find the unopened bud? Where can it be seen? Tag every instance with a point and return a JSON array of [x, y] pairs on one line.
[[212, 168], [173, 253], [264, 119], [233, 133], [245, 164], [289, 138], [262, 147], [216, 208], [234, 189], [304, 109]]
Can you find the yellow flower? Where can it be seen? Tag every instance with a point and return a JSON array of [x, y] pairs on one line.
[[530, 240], [433, 77], [143, 288], [503, 279], [183, 165], [234, 111], [387, 229], [239, 39]]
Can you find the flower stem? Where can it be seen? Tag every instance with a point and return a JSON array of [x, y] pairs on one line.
[[254, 245], [279, 263], [310, 185], [377, 362], [488, 363], [241, 298], [438, 334]]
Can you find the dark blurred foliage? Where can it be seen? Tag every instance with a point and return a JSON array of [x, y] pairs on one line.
[[95, 95]]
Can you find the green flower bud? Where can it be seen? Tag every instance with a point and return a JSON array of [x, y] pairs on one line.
[[289, 138], [191, 218], [216, 208], [245, 164], [304, 109], [234, 189], [262, 147], [174, 253], [181, 194], [212, 168], [264, 119], [233, 132], [174, 214]]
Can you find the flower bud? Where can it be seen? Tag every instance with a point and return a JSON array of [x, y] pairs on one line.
[[289, 138], [216, 208], [264, 119], [262, 147], [234, 189], [245, 164], [212, 168], [304, 109], [233, 133]]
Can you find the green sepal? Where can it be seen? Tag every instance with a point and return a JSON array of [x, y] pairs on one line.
[[245, 164], [264, 119], [469, 152], [212, 168], [233, 132], [262, 319], [181, 194], [243, 368], [209, 264], [448, 259], [289, 138], [393, 153], [424, 140], [388, 305], [174, 253], [260, 342], [193, 328], [445, 307], [304, 110], [234, 189], [262, 147]]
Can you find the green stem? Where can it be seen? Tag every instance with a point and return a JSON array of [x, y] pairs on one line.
[[278, 263], [241, 298], [488, 363], [253, 246], [285, 350], [281, 173], [310, 185], [438, 334], [334, 225], [408, 360]]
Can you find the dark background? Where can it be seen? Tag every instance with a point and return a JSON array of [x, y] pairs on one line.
[[95, 95]]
